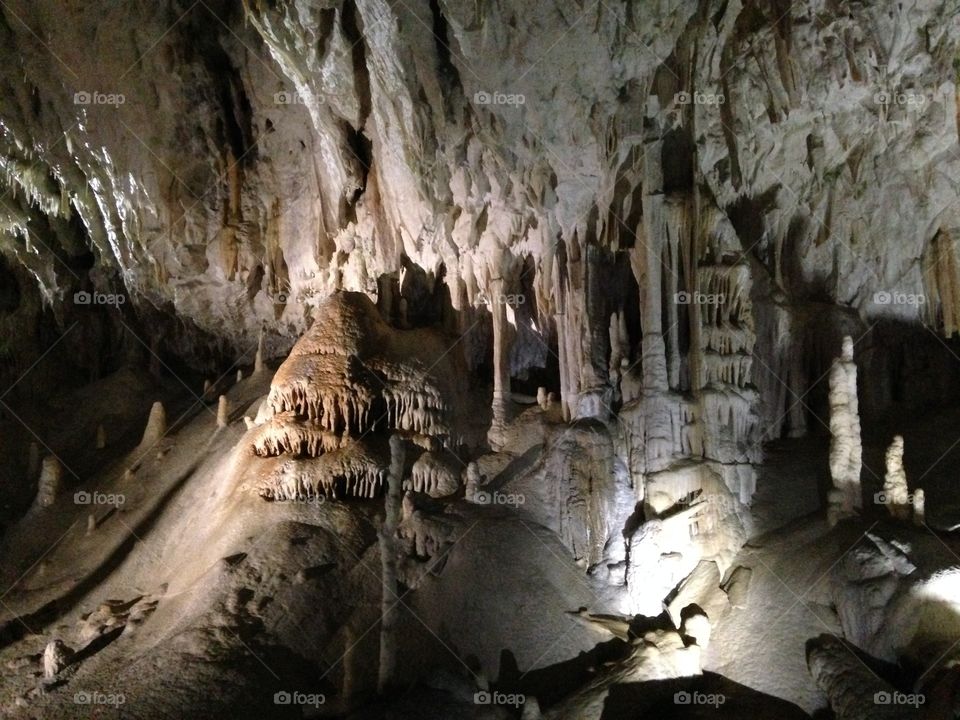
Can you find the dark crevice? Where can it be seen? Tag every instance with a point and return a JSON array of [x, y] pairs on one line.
[[362, 149], [446, 71], [352, 30], [328, 17]]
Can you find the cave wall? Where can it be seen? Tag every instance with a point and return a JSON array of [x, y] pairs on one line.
[[229, 164]]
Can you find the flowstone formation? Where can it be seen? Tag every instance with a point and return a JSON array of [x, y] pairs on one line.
[[349, 381]]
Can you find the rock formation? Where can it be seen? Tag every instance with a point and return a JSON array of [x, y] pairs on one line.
[[389, 649], [51, 480], [919, 507], [223, 412], [845, 446], [896, 493], [346, 382], [156, 427], [583, 265], [56, 656]]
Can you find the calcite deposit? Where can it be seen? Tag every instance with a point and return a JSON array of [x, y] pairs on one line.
[[571, 343]]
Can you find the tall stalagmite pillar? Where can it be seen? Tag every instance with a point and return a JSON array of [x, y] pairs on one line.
[[846, 448], [388, 559]]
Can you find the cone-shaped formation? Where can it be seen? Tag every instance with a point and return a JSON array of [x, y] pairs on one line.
[[51, 478], [351, 368], [349, 376], [223, 412], [357, 470], [896, 494], [91, 524], [542, 397], [156, 426], [919, 507]]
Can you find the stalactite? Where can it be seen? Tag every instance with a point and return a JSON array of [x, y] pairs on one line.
[[436, 474]]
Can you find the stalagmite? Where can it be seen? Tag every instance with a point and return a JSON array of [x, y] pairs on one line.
[[258, 364], [239, 375], [248, 422], [896, 494], [128, 474], [388, 557], [542, 398], [919, 509], [51, 478], [101, 438], [223, 412], [207, 387], [845, 446], [156, 426], [56, 656], [91, 524], [501, 365], [472, 480]]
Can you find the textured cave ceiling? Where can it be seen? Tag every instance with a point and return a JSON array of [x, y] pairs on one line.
[[552, 315]]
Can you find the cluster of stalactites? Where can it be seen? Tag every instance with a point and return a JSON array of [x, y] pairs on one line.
[[436, 474], [285, 433], [355, 408], [341, 410], [416, 411], [727, 334], [354, 471]]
